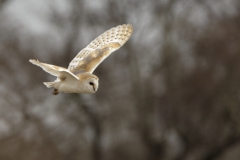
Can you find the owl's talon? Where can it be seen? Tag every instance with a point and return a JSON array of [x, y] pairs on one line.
[[55, 92]]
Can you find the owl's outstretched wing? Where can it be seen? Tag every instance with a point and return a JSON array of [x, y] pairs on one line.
[[100, 48], [60, 72]]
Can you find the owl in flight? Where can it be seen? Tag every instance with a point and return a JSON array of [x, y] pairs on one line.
[[78, 78]]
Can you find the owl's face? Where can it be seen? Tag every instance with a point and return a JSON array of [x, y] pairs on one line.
[[91, 84], [88, 83]]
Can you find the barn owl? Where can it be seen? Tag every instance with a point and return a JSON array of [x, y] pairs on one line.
[[78, 78]]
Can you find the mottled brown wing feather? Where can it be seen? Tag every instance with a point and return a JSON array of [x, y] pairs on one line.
[[100, 48]]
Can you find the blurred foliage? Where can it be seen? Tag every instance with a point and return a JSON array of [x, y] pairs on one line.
[[170, 93]]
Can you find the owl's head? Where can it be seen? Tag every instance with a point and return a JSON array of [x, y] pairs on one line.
[[90, 82]]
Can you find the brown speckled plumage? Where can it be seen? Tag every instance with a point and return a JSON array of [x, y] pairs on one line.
[[100, 48]]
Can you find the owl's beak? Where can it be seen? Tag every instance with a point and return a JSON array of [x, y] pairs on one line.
[[94, 88]]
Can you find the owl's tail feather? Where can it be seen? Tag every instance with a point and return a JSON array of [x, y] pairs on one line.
[[49, 84]]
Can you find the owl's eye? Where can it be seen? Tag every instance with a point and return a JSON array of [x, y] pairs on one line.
[[92, 84]]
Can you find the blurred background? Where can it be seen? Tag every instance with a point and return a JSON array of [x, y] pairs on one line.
[[172, 92]]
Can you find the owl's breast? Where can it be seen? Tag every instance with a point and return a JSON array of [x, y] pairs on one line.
[[70, 87]]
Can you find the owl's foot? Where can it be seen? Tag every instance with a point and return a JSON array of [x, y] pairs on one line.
[[55, 92]]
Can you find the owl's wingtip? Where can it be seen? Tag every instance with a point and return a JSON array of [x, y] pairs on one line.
[[33, 61], [130, 25]]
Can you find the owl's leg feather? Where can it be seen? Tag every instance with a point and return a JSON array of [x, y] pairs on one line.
[[49, 84]]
